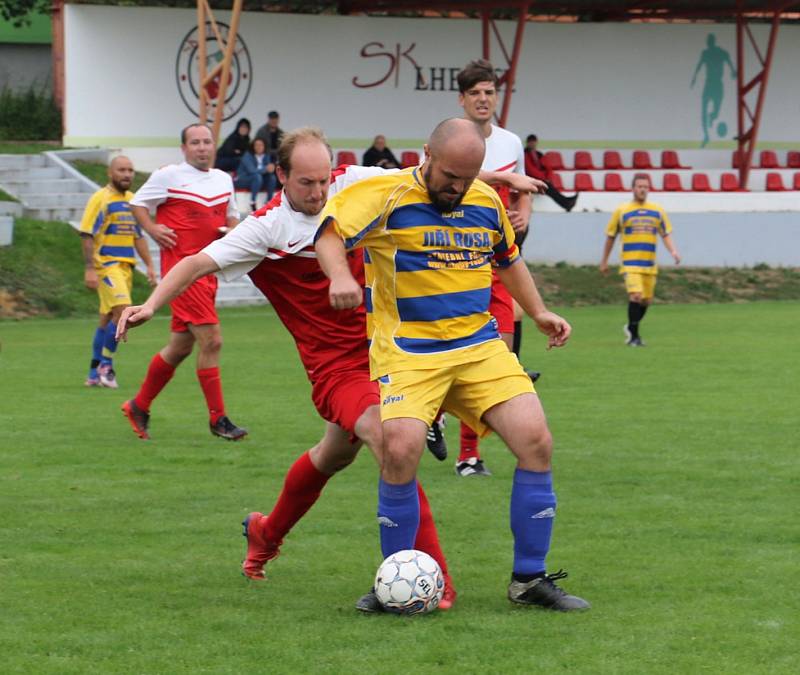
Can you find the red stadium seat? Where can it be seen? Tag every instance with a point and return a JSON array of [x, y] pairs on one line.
[[672, 183], [793, 159], [768, 159], [557, 183], [613, 183], [409, 158], [641, 160], [775, 182], [669, 160], [700, 183], [553, 161], [583, 161], [583, 183], [346, 157], [612, 160], [729, 182], [796, 185]]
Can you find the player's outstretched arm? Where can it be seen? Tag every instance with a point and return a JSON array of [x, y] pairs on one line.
[[519, 282], [515, 181], [187, 271], [345, 292]]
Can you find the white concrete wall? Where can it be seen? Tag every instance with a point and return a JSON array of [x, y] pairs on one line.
[[703, 239]]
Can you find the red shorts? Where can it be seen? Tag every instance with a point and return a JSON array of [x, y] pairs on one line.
[[501, 306], [342, 396], [195, 305]]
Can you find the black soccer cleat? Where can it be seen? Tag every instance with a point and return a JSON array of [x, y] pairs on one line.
[[472, 467], [635, 342], [369, 604], [435, 439], [543, 592], [226, 429]]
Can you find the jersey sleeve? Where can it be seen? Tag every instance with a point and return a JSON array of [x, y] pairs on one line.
[[246, 245], [613, 227], [154, 191], [357, 210], [506, 251], [233, 209], [665, 227], [92, 219], [520, 166]]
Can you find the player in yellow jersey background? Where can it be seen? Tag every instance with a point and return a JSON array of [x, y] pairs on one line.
[[639, 224], [109, 237]]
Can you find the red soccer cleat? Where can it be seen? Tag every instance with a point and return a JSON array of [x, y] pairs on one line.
[[449, 595], [259, 550], [138, 418]]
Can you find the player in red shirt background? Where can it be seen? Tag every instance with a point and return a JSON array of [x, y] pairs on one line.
[[194, 205]]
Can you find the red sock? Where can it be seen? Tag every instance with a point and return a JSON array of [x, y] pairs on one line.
[[469, 444], [301, 488], [427, 537], [159, 372], [211, 384]]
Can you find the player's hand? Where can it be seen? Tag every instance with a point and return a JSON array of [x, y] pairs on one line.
[[522, 183], [345, 293], [151, 276], [603, 267], [518, 222], [90, 278], [132, 316], [164, 236], [676, 257], [554, 327]]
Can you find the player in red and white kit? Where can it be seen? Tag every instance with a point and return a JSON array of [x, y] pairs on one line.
[[194, 205], [504, 169], [275, 246]]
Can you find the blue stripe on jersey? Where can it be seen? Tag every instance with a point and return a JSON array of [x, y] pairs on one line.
[[367, 259], [639, 247], [368, 299], [428, 346], [444, 305], [638, 263], [110, 263], [641, 213], [98, 222], [420, 214], [418, 261], [117, 251], [118, 207], [630, 230], [352, 241], [108, 282]]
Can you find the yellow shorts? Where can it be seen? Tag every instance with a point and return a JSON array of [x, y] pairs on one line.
[[467, 390], [114, 284], [640, 283]]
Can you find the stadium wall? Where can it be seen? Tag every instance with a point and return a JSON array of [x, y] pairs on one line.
[[703, 239], [578, 84]]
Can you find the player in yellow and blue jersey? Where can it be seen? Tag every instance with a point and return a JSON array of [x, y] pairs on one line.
[[431, 237], [639, 224], [109, 237]]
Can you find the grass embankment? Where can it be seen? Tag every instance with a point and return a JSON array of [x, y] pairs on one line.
[[42, 273], [28, 147], [98, 172]]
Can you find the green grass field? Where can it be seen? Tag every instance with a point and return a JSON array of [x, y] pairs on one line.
[[676, 471]]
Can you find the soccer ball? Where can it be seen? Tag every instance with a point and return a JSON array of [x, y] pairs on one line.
[[409, 582]]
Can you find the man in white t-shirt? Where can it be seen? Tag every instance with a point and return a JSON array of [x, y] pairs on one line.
[[504, 169]]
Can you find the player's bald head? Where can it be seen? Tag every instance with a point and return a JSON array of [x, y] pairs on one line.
[[120, 172], [458, 139]]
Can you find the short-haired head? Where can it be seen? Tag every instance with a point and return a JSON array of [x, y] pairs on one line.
[[638, 177], [304, 168], [194, 125], [531, 138], [120, 173], [296, 137], [453, 158], [476, 71]]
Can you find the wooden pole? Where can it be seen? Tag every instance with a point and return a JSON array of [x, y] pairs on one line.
[[59, 78], [202, 99], [226, 66]]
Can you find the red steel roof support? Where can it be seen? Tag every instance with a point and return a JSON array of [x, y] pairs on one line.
[[508, 78], [747, 137]]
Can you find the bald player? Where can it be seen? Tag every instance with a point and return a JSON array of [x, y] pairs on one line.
[[431, 238], [109, 235]]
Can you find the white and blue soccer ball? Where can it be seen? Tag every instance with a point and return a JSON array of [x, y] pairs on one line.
[[409, 582]]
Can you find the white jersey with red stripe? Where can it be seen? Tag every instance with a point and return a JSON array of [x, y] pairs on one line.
[[275, 246], [504, 152], [192, 203]]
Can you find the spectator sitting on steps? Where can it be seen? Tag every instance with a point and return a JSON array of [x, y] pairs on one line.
[[536, 168]]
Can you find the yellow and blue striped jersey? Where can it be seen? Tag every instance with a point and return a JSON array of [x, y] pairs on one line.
[[639, 226], [108, 219], [428, 273]]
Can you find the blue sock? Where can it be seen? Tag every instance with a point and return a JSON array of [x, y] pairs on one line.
[[109, 344], [97, 350], [533, 507], [398, 516]]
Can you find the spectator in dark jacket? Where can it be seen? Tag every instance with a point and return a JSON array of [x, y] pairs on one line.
[[380, 155], [271, 132], [535, 167], [234, 147], [257, 172]]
